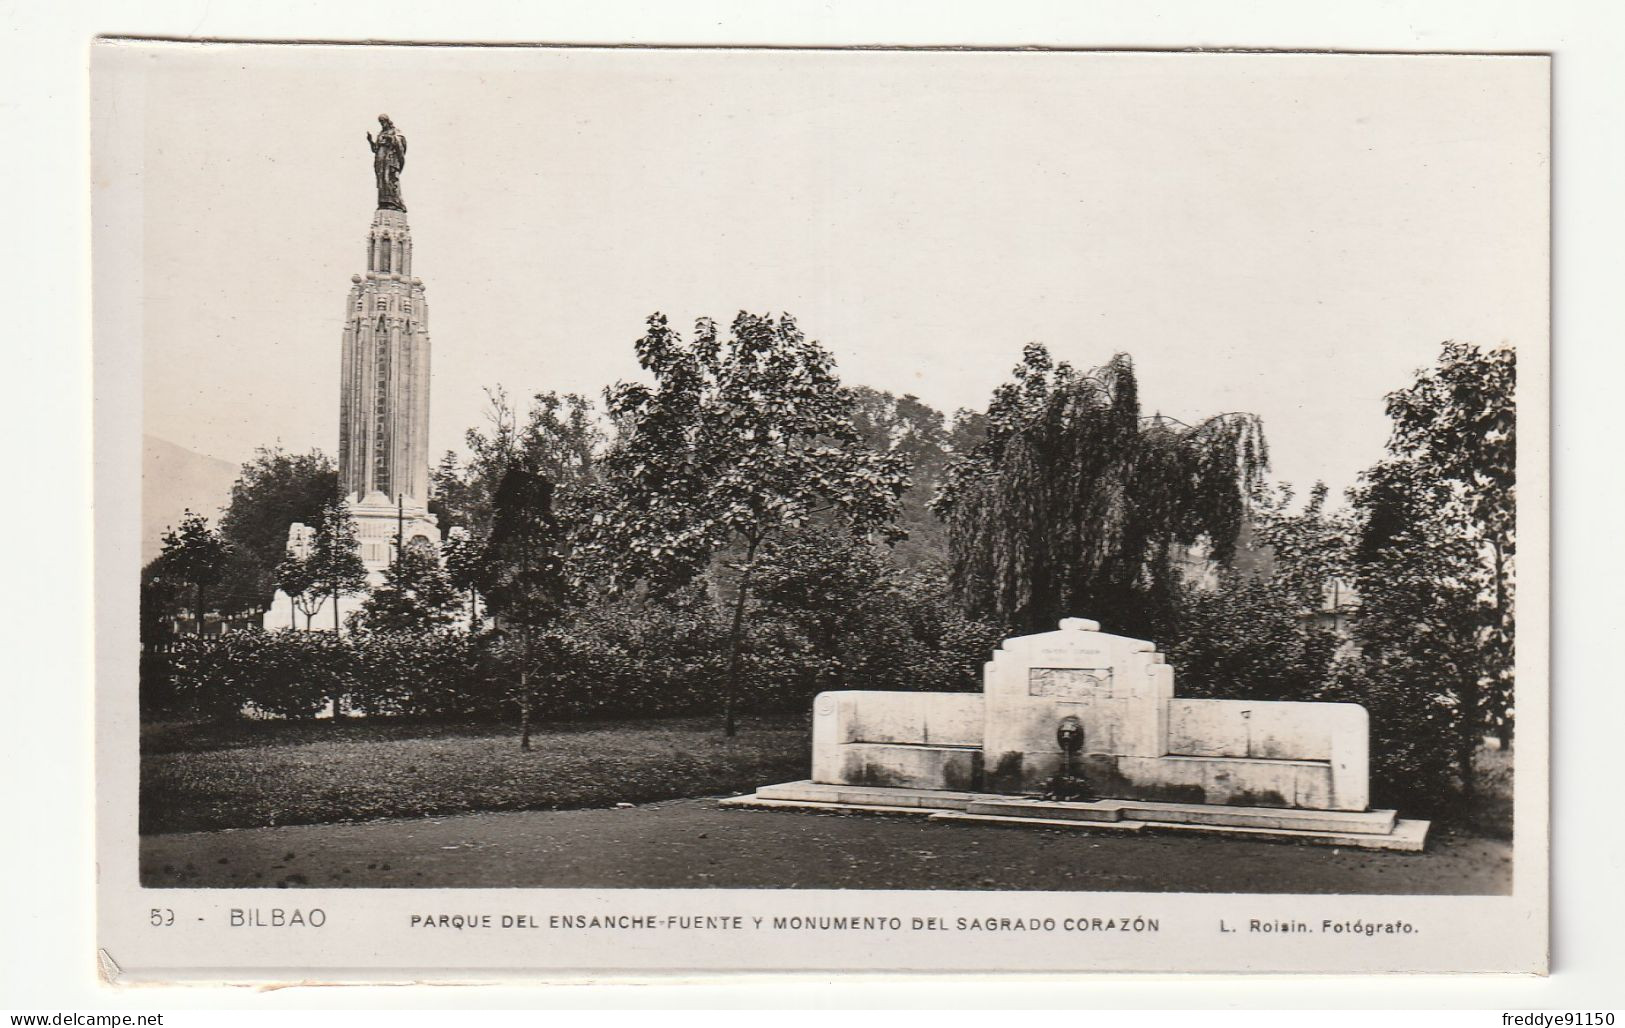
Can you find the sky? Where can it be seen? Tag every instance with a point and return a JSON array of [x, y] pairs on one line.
[[1290, 235]]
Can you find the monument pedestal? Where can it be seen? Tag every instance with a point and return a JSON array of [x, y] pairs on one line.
[[379, 527]]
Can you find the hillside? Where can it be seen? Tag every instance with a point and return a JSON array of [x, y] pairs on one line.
[[173, 479]]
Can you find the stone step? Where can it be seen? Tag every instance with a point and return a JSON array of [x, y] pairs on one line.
[[1367, 822], [872, 795], [1407, 836], [1040, 809], [1028, 822], [758, 802], [1377, 829]]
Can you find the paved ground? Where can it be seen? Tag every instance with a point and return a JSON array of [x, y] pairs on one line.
[[694, 843]]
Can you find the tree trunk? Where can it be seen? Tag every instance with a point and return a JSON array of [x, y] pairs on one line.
[[1503, 725], [293, 615], [524, 692], [1471, 735], [336, 629], [197, 616], [730, 688]]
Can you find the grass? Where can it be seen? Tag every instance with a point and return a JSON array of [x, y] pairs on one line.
[[1490, 813], [252, 774]]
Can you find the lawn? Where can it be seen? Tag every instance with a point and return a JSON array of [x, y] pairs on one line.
[[255, 774], [252, 774]]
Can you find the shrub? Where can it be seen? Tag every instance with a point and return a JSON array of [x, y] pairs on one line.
[[633, 657], [1248, 639]]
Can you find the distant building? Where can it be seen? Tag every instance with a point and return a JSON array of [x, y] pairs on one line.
[[1198, 568]]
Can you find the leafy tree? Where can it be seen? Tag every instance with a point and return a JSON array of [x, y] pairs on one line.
[[1433, 563], [1418, 627], [968, 431], [1252, 637], [335, 565], [162, 598], [452, 498], [273, 490], [907, 428], [524, 575], [558, 436], [1308, 552], [1458, 424], [869, 623], [296, 578], [464, 558], [737, 442], [196, 556], [1074, 503], [416, 596]]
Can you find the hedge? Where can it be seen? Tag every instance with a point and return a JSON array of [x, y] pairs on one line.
[[608, 662]]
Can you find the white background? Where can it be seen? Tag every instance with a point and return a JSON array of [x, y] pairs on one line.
[[46, 928]]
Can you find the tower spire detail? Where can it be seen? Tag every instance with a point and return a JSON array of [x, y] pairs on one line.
[[384, 377], [383, 392]]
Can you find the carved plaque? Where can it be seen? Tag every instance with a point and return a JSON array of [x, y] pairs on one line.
[[1068, 682]]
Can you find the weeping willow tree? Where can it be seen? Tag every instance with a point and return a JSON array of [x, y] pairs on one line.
[[1076, 505]]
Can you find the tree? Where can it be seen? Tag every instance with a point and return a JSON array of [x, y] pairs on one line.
[[296, 578], [558, 436], [736, 443], [1308, 552], [274, 490], [416, 596], [524, 578], [1433, 562], [197, 556], [1458, 424], [1432, 559], [1251, 637], [869, 623], [907, 428], [452, 492], [162, 598], [464, 558], [1419, 627], [335, 565], [1073, 503]]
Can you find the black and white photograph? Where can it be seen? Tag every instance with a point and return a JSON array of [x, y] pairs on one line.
[[1004, 509]]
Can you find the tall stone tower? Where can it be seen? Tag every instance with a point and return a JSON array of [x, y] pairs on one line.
[[383, 395], [384, 379]]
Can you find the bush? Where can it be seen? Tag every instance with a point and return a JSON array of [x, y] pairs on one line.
[[634, 657], [1249, 639], [432, 674], [1412, 732], [293, 674], [212, 677], [854, 620]]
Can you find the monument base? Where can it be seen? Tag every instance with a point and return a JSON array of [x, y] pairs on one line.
[[1368, 829]]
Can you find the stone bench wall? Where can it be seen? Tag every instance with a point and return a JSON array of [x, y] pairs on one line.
[[1336, 734], [1139, 740], [923, 740]]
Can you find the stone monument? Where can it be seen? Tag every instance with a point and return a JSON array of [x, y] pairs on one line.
[[383, 390], [1078, 712]]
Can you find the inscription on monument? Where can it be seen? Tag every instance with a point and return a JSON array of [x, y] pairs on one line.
[[1067, 682]]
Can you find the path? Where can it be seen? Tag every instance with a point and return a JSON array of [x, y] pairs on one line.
[[694, 843]]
